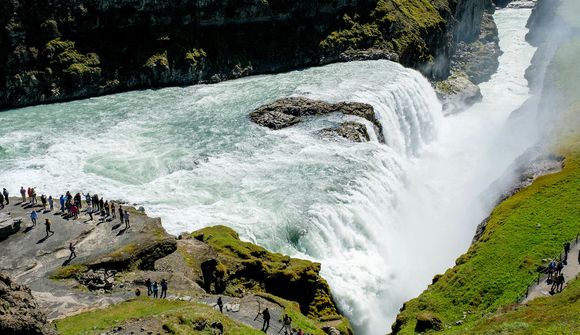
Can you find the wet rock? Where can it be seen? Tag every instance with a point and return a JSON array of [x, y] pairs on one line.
[[19, 312], [286, 112], [457, 93], [352, 131]]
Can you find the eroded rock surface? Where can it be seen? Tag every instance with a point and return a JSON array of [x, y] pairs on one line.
[[19, 312]]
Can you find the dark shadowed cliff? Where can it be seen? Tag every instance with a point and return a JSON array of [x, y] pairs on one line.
[[52, 50]]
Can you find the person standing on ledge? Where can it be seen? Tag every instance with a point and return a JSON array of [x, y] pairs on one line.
[[48, 231], [33, 217], [5, 193], [155, 289], [126, 216], [113, 211], [23, 193], [121, 214], [1, 200], [163, 288], [148, 284], [51, 203]]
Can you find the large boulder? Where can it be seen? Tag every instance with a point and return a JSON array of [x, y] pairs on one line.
[[19, 312], [457, 93], [286, 112]]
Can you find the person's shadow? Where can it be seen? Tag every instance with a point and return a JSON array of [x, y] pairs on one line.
[[45, 238], [29, 228], [122, 231], [116, 226]]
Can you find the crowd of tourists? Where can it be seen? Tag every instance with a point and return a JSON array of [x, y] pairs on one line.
[[71, 206], [153, 288], [555, 271]]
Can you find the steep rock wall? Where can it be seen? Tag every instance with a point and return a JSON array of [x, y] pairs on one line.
[[53, 50]]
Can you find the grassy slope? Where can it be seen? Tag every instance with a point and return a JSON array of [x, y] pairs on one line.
[[496, 270], [559, 314], [175, 315]]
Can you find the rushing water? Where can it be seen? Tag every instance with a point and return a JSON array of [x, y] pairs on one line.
[[382, 219]]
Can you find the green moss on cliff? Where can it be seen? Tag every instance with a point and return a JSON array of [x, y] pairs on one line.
[[252, 267], [159, 59], [394, 25], [64, 57]]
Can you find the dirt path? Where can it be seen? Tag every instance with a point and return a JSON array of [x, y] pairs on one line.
[[570, 272]]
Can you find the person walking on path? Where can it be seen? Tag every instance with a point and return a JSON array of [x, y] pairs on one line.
[[43, 201], [220, 304], [148, 284], [266, 316], [5, 193], [163, 288], [287, 324], [72, 248], [33, 217], [126, 216], [23, 193], [50, 203], [155, 289], [566, 251], [48, 231]]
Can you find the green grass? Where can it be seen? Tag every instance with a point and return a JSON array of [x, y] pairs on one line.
[[177, 316], [559, 314], [68, 271]]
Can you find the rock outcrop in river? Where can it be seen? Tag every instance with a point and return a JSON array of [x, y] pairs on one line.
[[286, 112], [65, 49]]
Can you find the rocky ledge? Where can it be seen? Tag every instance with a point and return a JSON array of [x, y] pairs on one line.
[[112, 264], [287, 112]]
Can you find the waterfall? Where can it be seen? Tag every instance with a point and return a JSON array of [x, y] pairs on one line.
[[381, 218]]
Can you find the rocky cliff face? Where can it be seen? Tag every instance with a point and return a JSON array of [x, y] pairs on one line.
[[19, 312], [52, 50]]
